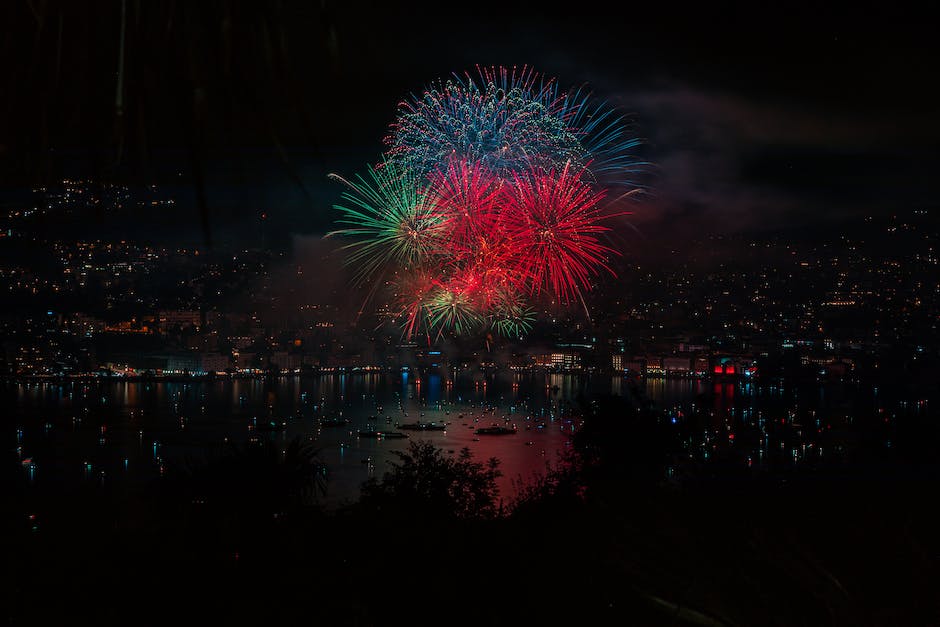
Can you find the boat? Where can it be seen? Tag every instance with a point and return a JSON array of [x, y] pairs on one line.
[[382, 435], [495, 430], [334, 422], [269, 425], [422, 426]]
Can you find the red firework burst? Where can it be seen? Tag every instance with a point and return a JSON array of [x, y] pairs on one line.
[[467, 197], [411, 291], [553, 220]]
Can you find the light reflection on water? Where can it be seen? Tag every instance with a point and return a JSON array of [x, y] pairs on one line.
[[133, 431]]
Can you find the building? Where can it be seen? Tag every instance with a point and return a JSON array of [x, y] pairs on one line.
[[677, 366], [215, 362], [183, 363], [636, 365], [559, 361], [700, 366], [738, 366], [172, 319], [654, 366], [82, 324]]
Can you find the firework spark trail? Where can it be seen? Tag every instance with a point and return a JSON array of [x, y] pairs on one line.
[[606, 138], [501, 119], [412, 290], [553, 222], [452, 306], [467, 197], [394, 219], [511, 120], [511, 315]]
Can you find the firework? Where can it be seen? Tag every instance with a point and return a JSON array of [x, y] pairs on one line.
[[490, 197], [467, 197], [501, 119], [510, 121], [605, 139], [511, 316], [453, 306], [393, 217], [554, 220], [411, 291]]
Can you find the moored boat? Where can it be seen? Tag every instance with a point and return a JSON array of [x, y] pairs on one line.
[[422, 426], [495, 430], [382, 435]]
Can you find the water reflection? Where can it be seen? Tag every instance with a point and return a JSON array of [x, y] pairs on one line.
[[111, 431], [132, 431]]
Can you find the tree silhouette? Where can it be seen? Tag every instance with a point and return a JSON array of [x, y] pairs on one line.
[[428, 482], [252, 486]]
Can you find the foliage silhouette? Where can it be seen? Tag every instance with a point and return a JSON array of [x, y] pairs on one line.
[[248, 488], [426, 481]]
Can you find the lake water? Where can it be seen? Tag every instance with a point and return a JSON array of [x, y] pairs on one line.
[[134, 430], [117, 433]]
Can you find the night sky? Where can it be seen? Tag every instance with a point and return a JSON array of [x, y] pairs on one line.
[[762, 119]]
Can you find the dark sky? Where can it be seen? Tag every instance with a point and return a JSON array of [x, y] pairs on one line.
[[785, 115]]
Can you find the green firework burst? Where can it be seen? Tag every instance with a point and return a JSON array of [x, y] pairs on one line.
[[393, 217]]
